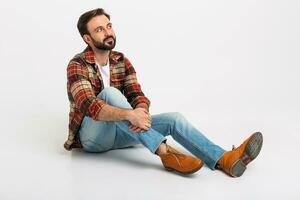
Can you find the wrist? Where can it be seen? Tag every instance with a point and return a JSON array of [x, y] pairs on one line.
[[127, 114], [142, 105]]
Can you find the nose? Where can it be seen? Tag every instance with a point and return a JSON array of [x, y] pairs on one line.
[[107, 32]]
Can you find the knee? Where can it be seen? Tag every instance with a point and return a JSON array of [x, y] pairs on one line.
[[109, 92], [114, 97], [177, 117]]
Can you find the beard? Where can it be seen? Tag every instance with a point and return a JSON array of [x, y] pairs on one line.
[[108, 43]]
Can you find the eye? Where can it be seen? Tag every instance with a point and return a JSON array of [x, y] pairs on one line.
[[99, 29], [109, 26]]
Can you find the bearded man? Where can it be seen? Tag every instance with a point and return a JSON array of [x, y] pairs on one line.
[[109, 110]]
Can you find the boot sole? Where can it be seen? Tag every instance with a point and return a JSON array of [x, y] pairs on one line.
[[252, 150], [188, 172]]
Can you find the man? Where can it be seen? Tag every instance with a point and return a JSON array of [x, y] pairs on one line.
[[108, 110]]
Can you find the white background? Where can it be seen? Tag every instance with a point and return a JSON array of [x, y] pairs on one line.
[[230, 67]]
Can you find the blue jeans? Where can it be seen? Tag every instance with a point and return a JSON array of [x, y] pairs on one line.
[[100, 136]]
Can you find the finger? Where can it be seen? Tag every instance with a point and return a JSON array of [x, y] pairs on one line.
[[132, 127], [139, 130], [149, 117], [147, 122], [147, 126], [145, 111], [135, 129]]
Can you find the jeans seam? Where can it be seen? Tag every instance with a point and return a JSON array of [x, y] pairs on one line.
[[179, 133], [193, 145]]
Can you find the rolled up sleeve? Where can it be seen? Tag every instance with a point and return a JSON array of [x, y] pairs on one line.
[[82, 92]]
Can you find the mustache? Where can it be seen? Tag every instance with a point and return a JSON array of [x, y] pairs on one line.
[[108, 38]]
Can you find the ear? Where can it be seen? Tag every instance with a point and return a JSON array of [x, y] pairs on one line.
[[86, 38]]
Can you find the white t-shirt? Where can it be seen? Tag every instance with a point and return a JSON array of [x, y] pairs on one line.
[[105, 74]]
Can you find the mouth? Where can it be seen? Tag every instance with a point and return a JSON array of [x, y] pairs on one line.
[[110, 41]]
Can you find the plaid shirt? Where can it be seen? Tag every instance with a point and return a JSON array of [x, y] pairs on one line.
[[85, 83]]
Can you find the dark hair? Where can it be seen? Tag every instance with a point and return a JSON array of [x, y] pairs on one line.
[[86, 17]]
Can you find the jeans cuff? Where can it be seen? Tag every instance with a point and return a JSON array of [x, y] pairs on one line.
[[214, 165], [163, 140]]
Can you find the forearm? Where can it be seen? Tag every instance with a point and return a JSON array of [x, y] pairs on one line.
[[112, 113]]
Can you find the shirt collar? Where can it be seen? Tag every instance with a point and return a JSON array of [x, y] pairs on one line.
[[89, 56]]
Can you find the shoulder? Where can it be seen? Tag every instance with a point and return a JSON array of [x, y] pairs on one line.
[[78, 59], [77, 65]]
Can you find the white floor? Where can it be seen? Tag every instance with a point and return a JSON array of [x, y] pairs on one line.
[[35, 166]]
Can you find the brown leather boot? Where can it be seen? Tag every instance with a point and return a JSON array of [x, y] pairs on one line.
[[234, 162], [173, 160]]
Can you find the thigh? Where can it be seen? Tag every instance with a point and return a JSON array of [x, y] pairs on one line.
[[97, 136]]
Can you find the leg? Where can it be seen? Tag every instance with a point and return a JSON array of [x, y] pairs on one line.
[[118, 135], [150, 139], [187, 135]]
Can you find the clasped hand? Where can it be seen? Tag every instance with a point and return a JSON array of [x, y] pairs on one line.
[[140, 120]]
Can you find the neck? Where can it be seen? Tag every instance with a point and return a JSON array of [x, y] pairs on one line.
[[101, 56]]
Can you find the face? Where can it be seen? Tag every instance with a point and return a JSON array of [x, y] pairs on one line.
[[102, 35]]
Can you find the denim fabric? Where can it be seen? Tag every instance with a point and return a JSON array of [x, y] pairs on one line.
[[99, 136]]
